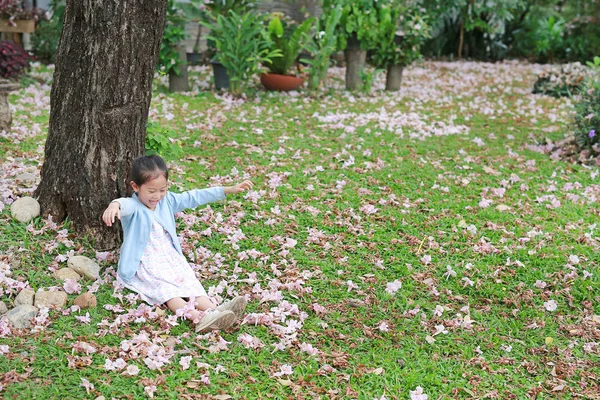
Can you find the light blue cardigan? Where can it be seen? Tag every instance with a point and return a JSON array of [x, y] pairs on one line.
[[137, 219]]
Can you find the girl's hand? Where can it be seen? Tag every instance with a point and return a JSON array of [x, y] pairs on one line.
[[242, 187], [113, 210]]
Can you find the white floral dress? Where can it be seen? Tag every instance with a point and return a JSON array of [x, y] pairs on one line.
[[163, 273]]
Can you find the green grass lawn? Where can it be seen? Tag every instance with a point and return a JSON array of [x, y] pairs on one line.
[[392, 241]]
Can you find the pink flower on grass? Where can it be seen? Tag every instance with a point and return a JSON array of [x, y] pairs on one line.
[[285, 369], [550, 305], [185, 362], [71, 286], [132, 370], [418, 394], [393, 287], [87, 385]]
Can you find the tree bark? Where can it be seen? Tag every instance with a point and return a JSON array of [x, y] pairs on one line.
[[355, 62], [180, 83], [99, 109], [393, 79]]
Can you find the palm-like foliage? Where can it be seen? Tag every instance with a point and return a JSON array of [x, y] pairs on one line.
[[242, 45], [289, 45]]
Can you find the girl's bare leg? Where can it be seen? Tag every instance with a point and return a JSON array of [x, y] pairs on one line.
[[177, 303], [203, 303]]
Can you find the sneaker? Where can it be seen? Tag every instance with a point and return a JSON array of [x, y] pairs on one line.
[[236, 305], [214, 320]]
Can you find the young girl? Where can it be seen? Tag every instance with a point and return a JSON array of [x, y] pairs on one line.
[[151, 262]]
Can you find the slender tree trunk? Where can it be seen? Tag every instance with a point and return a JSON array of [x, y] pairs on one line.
[[180, 83], [355, 62], [461, 40], [393, 79], [99, 109]]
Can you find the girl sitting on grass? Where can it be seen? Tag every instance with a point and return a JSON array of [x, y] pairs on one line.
[[151, 262]]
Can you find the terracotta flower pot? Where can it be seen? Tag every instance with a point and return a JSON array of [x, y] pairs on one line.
[[283, 83]]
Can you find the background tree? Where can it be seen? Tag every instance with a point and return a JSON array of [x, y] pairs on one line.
[[99, 108]]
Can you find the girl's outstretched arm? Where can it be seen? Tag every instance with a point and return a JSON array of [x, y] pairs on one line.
[[198, 197], [242, 187], [118, 208]]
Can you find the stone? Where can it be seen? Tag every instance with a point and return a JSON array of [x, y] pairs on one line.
[[25, 297], [48, 299], [85, 300], [84, 266], [3, 308], [26, 179], [25, 209], [67, 273], [20, 316]]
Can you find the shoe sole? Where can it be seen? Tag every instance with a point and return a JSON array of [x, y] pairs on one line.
[[222, 320], [238, 306]]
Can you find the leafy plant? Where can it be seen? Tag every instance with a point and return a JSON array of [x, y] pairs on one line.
[[358, 20], [13, 10], [549, 38], [44, 40], [587, 111], [367, 77], [289, 44], [321, 46], [13, 59], [159, 141], [401, 33], [242, 45], [174, 34]]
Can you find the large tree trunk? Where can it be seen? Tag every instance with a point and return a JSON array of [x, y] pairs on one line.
[[99, 109]]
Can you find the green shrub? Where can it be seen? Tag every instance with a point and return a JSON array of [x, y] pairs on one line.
[[174, 34], [242, 44], [159, 141], [44, 41], [587, 111]]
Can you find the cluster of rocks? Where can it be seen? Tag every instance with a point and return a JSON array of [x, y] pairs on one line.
[[27, 302]]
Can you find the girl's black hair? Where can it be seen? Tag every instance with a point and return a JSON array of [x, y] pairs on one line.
[[147, 168]]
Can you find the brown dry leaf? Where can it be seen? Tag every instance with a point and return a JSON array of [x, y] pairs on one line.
[[222, 397], [285, 382], [378, 371], [491, 171]]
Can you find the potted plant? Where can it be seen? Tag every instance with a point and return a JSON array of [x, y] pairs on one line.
[[289, 44], [401, 33], [194, 11], [321, 46], [214, 8], [356, 31], [242, 44], [14, 18], [171, 57]]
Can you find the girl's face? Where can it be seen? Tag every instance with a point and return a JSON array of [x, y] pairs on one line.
[[151, 192]]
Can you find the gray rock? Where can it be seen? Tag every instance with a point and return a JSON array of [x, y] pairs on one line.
[[25, 209], [26, 179], [67, 273], [47, 299], [84, 266], [25, 297], [3, 308], [20, 316]]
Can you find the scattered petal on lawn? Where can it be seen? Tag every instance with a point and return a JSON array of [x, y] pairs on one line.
[[87, 385], [550, 305], [285, 369], [418, 394], [393, 287]]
